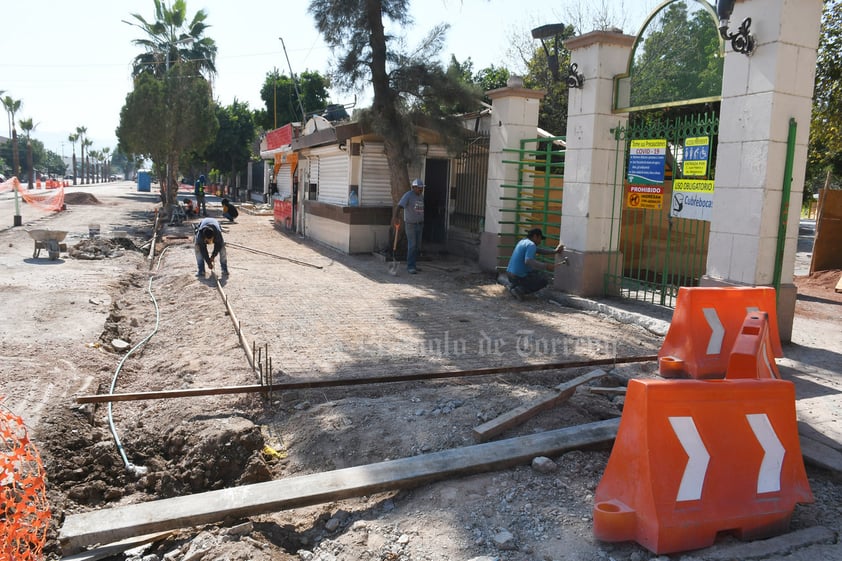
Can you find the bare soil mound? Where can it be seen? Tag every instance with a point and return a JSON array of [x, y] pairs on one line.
[[80, 199], [817, 296]]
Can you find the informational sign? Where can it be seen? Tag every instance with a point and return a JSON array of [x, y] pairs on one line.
[[692, 198], [645, 197], [696, 155], [647, 160]]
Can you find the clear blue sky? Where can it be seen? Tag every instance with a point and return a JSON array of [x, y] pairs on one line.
[[70, 62]]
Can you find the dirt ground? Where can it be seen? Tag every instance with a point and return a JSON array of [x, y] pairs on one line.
[[318, 313]]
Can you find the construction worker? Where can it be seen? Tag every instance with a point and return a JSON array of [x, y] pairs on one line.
[[199, 191], [210, 232], [412, 204], [229, 211], [526, 274]]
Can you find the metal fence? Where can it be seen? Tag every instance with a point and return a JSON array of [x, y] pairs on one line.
[[534, 201], [471, 171], [658, 252]]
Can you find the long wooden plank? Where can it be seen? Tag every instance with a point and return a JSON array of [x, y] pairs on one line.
[[114, 549], [309, 383], [526, 411], [114, 524]]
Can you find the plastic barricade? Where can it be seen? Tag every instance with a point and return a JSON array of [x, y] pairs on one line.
[[705, 324], [751, 355], [693, 458]]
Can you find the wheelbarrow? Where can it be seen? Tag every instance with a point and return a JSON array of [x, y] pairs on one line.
[[51, 240]]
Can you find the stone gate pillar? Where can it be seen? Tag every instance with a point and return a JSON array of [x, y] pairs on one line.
[[587, 229], [514, 116], [760, 94]]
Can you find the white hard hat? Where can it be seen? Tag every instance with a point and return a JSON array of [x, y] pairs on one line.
[[417, 183]]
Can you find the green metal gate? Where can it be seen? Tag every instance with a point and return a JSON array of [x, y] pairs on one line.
[[658, 252], [534, 201]]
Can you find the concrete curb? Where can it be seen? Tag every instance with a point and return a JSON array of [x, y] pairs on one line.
[[653, 325], [777, 546]]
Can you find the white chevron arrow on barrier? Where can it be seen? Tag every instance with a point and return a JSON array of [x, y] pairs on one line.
[[769, 477], [698, 458], [717, 331]]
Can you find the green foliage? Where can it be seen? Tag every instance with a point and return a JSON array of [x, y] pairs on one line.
[[824, 160], [406, 83], [678, 58], [170, 112], [42, 159], [552, 113], [163, 119], [122, 163], [232, 146], [12, 106], [170, 39], [281, 101], [492, 78]]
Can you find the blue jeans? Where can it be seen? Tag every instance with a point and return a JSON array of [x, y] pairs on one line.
[[413, 242], [200, 261], [533, 281]]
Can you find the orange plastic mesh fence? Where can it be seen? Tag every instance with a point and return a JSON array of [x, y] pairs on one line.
[[24, 511], [51, 199]]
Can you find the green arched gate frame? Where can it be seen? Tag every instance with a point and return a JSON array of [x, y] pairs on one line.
[[664, 225], [663, 189]]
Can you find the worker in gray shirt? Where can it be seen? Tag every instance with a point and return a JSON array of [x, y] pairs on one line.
[[412, 204]]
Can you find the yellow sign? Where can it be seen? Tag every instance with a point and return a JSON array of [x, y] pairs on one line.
[[692, 198], [695, 156], [693, 185], [644, 197]]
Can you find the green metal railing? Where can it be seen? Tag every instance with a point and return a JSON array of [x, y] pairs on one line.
[[534, 201], [786, 192], [657, 253]]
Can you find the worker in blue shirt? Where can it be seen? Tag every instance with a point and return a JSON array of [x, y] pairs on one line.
[[526, 274]]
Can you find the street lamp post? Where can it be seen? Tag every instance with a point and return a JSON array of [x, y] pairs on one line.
[[551, 32]]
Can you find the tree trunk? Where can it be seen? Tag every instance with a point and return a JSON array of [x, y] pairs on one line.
[[15, 154], [29, 161], [384, 107]]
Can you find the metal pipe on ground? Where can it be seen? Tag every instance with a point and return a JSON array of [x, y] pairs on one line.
[[310, 383], [154, 237], [243, 343]]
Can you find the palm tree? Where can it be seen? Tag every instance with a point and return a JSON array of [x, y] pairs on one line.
[[82, 132], [13, 106], [27, 126], [86, 164], [106, 172], [172, 40], [73, 138]]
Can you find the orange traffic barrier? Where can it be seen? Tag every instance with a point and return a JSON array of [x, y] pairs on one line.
[[38, 183], [696, 457], [751, 356], [705, 324]]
